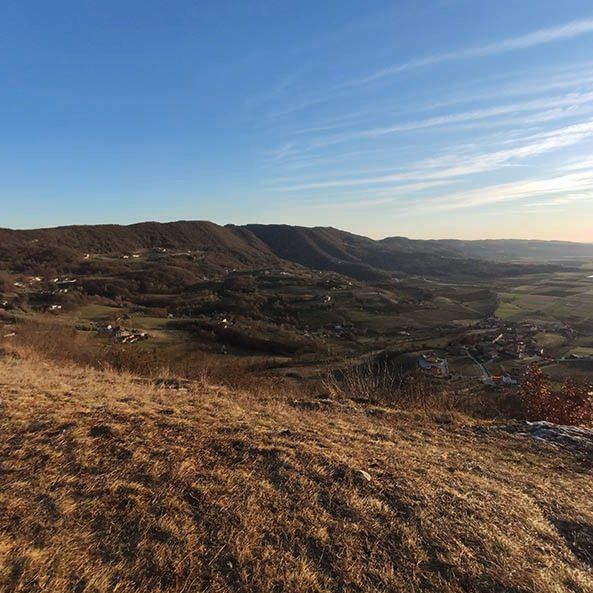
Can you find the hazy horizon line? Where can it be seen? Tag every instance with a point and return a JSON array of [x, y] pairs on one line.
[[232, 224]]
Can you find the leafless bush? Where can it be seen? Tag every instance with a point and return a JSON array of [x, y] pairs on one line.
[[572, 403], [59, 342], [369, 383], [381, 384]]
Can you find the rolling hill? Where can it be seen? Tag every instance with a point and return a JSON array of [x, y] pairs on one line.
[[259, 246], [327, 248], [64, 246]]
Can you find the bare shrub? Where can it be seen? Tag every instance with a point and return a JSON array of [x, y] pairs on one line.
[[381, 384], [58, 342], [571, 403]]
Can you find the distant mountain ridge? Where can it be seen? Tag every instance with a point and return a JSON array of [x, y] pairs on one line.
[[258, 245], [504, 249]]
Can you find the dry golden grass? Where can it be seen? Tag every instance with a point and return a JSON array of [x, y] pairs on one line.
[[111, 484]]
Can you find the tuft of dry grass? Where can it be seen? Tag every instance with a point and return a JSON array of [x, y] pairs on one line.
[[110, 482]]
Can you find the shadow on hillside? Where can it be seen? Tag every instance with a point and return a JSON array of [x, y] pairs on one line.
[[578, 537]]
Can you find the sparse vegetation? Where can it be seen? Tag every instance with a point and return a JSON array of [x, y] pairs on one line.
[[569, 403], [384, 384], [113, 482]]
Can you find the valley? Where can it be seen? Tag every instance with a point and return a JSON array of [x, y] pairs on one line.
[[295, 302]]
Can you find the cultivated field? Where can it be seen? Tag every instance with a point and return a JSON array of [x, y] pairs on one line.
[[560, 300]]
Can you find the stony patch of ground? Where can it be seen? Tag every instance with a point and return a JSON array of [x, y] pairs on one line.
[[576, 439]]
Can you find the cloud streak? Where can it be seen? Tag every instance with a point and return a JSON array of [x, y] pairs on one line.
[[507, 192], [546, 109], [569, 100], [533, 39], [533, 146], [521, 137]]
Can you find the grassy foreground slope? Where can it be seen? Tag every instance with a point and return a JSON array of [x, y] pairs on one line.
[[108, 483]]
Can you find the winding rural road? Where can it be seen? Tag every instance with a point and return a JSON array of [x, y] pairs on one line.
[[485, 374]]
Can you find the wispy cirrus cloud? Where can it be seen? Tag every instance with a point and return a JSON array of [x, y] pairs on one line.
[[517, 114], [570, 30], [573, 184], [517, 83], [533, 39], [558, 201], [418, 145], [578, 77], [551, 192], [545, 106], [578, 165], [359, 200], [571, 100], [532, 146]]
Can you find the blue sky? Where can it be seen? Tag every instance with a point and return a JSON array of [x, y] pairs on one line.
[[424, 118]]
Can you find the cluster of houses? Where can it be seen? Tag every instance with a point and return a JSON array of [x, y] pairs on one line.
[[58, 284], [122, 335], [494, 339], [63, 284], [518, 341], [335, 283], [434, 366], [42, 291]]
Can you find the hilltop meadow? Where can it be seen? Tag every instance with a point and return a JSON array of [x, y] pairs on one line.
[[114, 482], [190, 407]]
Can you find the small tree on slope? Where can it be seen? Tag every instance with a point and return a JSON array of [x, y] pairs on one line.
[[572, 403]]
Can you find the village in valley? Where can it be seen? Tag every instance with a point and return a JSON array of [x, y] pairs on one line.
[[499, 350], [300, 320]]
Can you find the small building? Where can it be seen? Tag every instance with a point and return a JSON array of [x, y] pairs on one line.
[[500, 381], [433, 365]]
